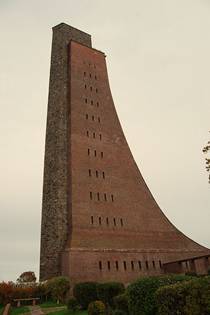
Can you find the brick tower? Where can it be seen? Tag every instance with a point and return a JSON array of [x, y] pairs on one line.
[[99, 220]]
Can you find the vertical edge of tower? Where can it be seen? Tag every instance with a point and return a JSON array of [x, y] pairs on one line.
[[56, 203]]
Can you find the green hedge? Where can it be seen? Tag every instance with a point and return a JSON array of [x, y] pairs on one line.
[[141, 294], [85, 293], [121, 302], [107, 291], [96, 308], [186, 298]]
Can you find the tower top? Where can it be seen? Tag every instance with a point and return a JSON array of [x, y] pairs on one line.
[[72, 33]]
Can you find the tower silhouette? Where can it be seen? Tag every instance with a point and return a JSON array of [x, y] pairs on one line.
[[99, 219]]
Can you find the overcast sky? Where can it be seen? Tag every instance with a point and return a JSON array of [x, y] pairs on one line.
[[158, 55]]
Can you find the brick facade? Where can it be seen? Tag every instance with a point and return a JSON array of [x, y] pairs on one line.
[[99, 219]]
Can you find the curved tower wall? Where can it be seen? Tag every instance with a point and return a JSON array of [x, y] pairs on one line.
[[99, 219]]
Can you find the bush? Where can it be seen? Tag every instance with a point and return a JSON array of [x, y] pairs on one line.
[[85, 292], [73, 304], [107, 291], [58, 288], [141, 294], [121, 302], [96, 308], [186, 298], [119, 312]]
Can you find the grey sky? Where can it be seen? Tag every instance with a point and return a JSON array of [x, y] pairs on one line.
[[159, 69]]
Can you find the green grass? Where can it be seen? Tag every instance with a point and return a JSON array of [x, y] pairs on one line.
[[50, 304], [19, 310]]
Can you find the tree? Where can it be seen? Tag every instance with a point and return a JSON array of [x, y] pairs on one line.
[[206, 150], [58, 288], [26, 277]]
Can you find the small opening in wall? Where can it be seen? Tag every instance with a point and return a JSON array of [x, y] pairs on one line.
[[91, 88], [91, 102], [86, 100], [85, 86], [91, 219], [103, 175], [99, 220], [95, 153], [100, 136], [114, 221], [102, 155], [86, 116], [87, 133], [160, 264], [94, 135], [89, 173], [88, 151], [117, 265], [112, 197], [108, 265], [97, 104], [132, 265], [90, 75], [105, 198], [100, 265], [124, 264], [91, 195], [95, 77], [96, 90], [84, 74], [98, 196], [96, 173], [121, 221], [139, 263], [153, 264], [147, 264], [99, 120], [93, 118], [107, 221]]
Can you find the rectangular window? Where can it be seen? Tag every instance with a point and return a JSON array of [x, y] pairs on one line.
[[84, 74], [97, 104], [102, 155], [153, 263], [96, 173], [147, 264], [99, 220], [139, 262], [100, 265], [98, 196], [114, 221], [91, 219], [100, 136], [103, 175], [96, 90], [116, 265], [121, 221], [86, 100], [108, 265], [124, 264], [95, 152], [107, 221], [99, 120], [132, 265], [160, 264], [105, 197], [112, 198], [87, 133], [85, 86], [94, 135], [86, 116], [91, 102], [88, 151], [91, 195], [89, 172], [93, 118]]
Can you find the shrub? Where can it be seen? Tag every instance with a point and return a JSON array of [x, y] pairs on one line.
[[58, 288], [96, 308], [85, 292], [121, 302], [186, 298], [107, 291], [141, 294], [6, 293], [73, 304]]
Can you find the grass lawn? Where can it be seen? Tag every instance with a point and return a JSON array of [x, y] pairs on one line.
[[19, 310], [66, 312], [50, 304]]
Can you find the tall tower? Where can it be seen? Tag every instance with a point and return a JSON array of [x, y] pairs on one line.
[[99, 220]]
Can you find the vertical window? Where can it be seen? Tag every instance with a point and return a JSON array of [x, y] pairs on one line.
[[132, 265], [99, 120], [103, 175], [124, 264], [95, 152], [86, 100], [100, 265], [102, 155], [98, 196], [88, 151], [153, 263], [97, 104], [95, 77], [121, 221], [116, 265], [86, 116], [89, 173], [90, 75], [96, 173], [160, 263], [108, 265], [105, 197], [92, 118], [94, 135], [91, 88], [99, 219], [139, 263], [96, 90], [107, 221], [85, 86], [112, 198], [114, 221], [147, 264], [87, 133], [100, 136], [84, 74], [91, 102], [91, 195], [91, 219]]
